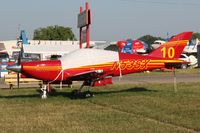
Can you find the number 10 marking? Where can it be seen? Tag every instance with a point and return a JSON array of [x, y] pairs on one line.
[[170, 52]]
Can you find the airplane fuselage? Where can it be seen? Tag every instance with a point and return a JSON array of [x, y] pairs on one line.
[[85, 60]]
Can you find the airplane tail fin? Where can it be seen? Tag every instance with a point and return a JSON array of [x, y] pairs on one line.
[[173, 48]]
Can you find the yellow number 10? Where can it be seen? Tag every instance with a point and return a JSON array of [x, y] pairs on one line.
[[170, 52]]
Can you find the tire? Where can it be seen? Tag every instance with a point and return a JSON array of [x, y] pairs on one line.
[[184, 66]]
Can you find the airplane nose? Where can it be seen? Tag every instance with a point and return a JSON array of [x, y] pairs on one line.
[[15, 68]]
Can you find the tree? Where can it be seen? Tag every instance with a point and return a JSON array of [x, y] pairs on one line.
[[54, 33], [196, 35], [149, 39]]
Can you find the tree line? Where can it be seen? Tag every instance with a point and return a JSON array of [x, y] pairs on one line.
[[65, 33], [151, 39], [54, 33]]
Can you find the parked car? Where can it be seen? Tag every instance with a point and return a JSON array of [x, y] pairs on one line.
[[185, 58], [190, 61], [4, 57]]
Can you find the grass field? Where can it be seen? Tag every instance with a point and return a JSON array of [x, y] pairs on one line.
[[116, 108]]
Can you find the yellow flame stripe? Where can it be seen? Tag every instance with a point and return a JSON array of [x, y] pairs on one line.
[[97, 66], [166, 61], [47, 68], [174, 43]]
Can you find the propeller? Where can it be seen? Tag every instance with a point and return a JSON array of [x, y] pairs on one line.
[[21, 55], [18, 80], [17, 66]]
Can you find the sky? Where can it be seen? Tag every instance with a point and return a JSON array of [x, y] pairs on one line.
[[111, 19]]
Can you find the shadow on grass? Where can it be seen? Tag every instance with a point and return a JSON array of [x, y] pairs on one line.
[[55, 93], [136, 89], [20, 96]]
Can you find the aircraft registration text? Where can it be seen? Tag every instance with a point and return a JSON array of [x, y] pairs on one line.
[[131, 65]]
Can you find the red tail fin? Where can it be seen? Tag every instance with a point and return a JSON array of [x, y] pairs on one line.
[[173, 48]]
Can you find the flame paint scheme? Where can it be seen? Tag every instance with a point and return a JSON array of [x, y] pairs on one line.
[[95, 66]]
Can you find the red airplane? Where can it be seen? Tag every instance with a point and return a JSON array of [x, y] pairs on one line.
[[97, 67]]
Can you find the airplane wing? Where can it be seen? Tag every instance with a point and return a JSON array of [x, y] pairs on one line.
[[94, 78], [88, 75]]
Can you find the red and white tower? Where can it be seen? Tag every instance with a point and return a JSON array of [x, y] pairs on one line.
[[84, 22]]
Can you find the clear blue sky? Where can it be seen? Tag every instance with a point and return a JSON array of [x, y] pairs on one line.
[[112, 19]]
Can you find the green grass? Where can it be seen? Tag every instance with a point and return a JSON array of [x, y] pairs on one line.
[[183, 71], [168, 71], [116, 108]]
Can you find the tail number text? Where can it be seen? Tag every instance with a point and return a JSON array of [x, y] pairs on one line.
[[168, 52]]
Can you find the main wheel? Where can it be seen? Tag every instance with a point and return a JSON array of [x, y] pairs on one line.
[[88, 94]]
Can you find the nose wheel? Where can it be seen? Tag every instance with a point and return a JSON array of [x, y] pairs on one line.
[[44, 92]]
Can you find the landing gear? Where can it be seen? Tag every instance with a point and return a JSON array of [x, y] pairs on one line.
[[75, 94], [79, 94], [44, 92], [88, 94]]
